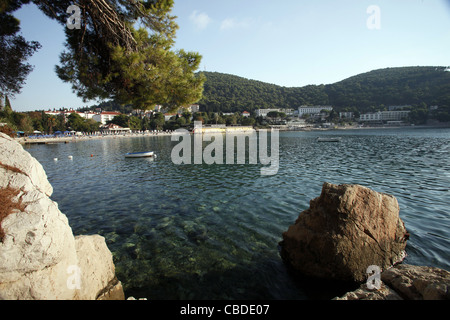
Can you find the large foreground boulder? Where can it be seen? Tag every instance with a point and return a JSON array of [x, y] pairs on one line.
[[40, 258], [346, 230]]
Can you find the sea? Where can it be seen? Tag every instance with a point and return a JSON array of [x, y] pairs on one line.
[[212, 231]]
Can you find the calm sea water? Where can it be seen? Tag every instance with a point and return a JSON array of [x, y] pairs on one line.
[[212, 231]]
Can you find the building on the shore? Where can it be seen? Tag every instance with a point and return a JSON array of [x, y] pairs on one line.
[[346, 115], [384, 116], [105, 116], [67, 112], [113, 129], [193, 108], [370, 117], [313, 110], [394, 115], [263, 112]]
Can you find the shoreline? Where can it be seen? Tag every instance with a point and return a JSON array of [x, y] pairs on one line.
[[437, 126], [73, 138]]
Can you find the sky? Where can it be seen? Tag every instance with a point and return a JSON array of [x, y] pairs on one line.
[[290, 43]]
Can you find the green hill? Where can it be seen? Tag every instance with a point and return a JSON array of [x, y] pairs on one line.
[[392, 86], [417, 86], [229, 93]]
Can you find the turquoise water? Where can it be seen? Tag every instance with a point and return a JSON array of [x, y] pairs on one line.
[[212, 231]]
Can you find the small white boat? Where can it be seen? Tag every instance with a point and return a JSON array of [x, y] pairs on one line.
[[140, 154], [328, 139]]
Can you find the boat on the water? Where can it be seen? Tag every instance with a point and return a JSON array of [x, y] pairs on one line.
[[328, 139], [140, 154]]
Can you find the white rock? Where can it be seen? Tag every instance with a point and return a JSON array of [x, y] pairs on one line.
[[12, 154], [95, 263], [39, 256]]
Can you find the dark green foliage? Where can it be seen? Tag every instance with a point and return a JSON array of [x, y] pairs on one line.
[[392, 86], [109, 57], [228, 93], [366, 92], [14, 50]]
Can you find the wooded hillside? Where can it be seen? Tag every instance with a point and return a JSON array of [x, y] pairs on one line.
[[365, 92]]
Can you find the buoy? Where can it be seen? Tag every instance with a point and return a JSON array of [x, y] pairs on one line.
[[55, 159], [92, 155]]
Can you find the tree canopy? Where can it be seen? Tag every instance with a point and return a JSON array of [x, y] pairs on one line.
[[14, 51], [229, 93], [392, 87], [123, 51]]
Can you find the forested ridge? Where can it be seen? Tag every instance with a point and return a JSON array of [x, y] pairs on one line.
[[371, 91]]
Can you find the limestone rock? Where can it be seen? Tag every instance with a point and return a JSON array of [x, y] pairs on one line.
[[114, 291], [345, 230], [96, 267], [39, 256], [406, 282], [418, 282], [28, 172], [363, 293]]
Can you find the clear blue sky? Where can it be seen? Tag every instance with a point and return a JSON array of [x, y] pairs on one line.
[[288, 42]]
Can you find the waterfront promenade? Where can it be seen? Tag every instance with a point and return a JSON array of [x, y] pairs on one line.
[[78, 138]]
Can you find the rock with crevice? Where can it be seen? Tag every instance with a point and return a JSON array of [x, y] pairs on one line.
[[344, 231], [40, 259]]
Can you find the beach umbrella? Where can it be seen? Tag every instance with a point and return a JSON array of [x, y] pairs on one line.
[[36, 131]]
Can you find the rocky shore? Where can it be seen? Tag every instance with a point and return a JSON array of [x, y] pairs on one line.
[[406, 282], [355, 234], [347, 230], [40, 259]]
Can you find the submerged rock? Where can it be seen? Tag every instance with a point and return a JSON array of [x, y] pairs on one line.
[[346, 230], [40, 259]]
